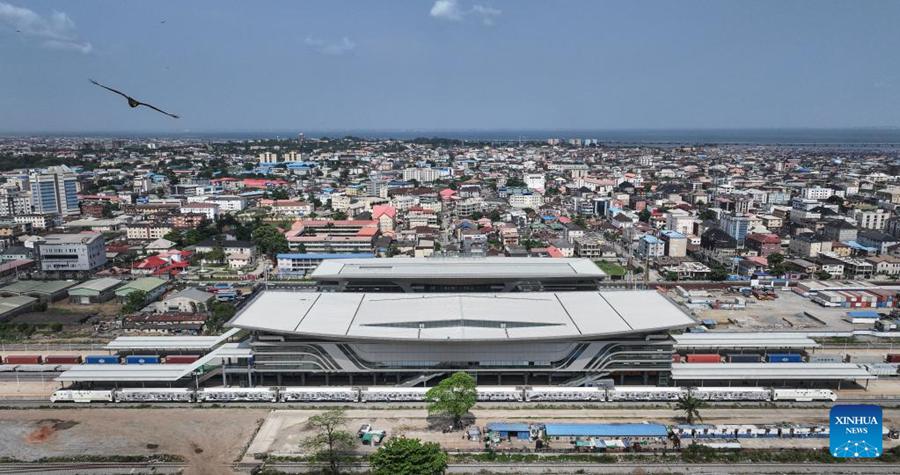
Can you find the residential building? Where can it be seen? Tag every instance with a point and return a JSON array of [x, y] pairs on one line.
[[71, 253]]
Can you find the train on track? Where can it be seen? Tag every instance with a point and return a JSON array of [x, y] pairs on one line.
[[417, 394]]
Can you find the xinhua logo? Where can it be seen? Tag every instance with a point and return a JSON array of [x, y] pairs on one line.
[[856, 431]]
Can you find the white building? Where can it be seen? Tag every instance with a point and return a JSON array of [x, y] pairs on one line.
[[422, 175], [268, 158], [874, 219], [209, 210], [535, 181], [816, 193], [526, 200], [680, 221], [71, 252]]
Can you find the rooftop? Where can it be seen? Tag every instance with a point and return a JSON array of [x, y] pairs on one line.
[[458, 268], [769, 371], [744, 340], [462, 317]]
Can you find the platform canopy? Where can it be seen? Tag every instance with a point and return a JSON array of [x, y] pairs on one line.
[[769, 371], [743, 340]]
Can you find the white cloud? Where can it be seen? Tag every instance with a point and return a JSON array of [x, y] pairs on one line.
[[56, 31], [487, 14], [447, 10], [451, 10], [331, 48]]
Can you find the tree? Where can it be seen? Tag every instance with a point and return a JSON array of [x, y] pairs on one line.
[[402, 456], [221, 313], [330, 443], [775, 259], [134, 301], [644, 215], [339, 215], [453, 396], [822, 275], [269, 240], [707, 215], [690, 406]]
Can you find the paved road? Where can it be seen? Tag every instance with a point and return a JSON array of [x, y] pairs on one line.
[[629, 468]]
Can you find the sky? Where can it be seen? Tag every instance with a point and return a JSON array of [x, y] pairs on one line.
[[448, 65]]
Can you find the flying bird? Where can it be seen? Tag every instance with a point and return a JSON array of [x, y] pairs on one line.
[[132, 102]]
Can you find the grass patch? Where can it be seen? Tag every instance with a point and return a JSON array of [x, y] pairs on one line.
[[611, 268]]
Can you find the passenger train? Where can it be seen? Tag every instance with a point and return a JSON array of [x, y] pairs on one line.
[[417, 394]]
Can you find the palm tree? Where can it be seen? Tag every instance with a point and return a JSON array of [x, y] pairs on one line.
[[690, 406]]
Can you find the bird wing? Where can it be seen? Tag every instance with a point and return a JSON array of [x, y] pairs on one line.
[[126, 96], [159, 110]]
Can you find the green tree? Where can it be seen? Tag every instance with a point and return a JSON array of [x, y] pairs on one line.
[[221, 313], [402, 456], [690, 406], [775, 259], [175, 236], [453, 396], [339, 215], [330, 442], [708, 214], [134, 301], [822, 275], [644, 215], [269, 240]]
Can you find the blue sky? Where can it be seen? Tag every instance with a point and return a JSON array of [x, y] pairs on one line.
[[449, 65]]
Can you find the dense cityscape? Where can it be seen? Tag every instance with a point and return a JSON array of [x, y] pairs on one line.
[[434, 237]]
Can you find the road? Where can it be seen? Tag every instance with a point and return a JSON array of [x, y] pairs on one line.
[[629, 468]]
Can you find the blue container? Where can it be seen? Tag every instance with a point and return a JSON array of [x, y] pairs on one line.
[[142, 359], [785, 358], [101, 359]]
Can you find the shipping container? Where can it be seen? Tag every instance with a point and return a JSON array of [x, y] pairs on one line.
[[737, 358], [62, 359], [23, 359], [826, 358], [142, 359], [101, 359], [676, 358], [893, 358], [869, 359], [181, 359], [704, 358], [785, 358]]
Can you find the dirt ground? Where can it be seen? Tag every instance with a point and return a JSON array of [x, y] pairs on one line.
[[283, 430], [209, 439]]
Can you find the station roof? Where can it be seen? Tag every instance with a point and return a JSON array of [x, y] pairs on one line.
[[125, 343], [457, 268], [152, 372], [747, 340], [461, 317], [606, 430], [767, 371]]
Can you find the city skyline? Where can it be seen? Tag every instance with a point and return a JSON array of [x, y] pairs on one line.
[[449, 66]]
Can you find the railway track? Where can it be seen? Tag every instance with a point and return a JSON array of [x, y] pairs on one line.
[[93, 468]]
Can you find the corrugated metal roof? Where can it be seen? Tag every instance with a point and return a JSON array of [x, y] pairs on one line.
[[606, 430], [507, 427], [94, 286], [145, 284], [37, 286], [744, 340]]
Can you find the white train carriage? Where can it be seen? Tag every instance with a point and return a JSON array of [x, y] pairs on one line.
[[68, 395], [803, 395], [645, 393], [393, 394], [319, 394], [155, 395], [499, 393], [562, 393], [223, 394], [732, 394]]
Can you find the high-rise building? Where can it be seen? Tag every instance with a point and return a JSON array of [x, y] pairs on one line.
[[55, 191], [268, 158], [735, 225]]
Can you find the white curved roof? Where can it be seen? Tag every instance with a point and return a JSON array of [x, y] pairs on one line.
[[463, 316]]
